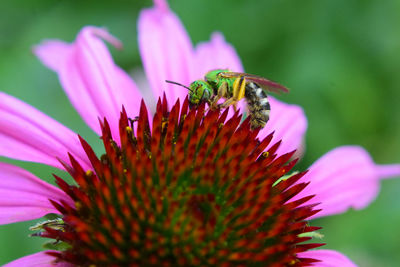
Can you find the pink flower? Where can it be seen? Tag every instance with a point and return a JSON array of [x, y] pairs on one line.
[[344, 178]]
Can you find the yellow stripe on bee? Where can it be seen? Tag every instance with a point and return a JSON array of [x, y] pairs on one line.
[[239, 87]]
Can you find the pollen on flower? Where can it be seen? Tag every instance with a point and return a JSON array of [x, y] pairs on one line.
[[191, 189]]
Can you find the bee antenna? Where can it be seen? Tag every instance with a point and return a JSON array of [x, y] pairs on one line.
[[179, 85]]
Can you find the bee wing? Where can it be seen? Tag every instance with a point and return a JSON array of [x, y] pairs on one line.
[[262, 82]]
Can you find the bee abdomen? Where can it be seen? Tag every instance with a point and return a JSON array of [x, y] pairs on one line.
[[258, 105]]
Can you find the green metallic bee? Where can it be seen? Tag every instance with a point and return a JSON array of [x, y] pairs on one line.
[[233, 86]]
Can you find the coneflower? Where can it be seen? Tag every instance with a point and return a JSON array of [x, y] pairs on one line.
[[180, 187]]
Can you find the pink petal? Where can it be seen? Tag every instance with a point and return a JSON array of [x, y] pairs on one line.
[[161, 4], [216, 54], [25, 197], [166, 51], [289, 123], [388, 171], [328, 258], [94, 84], [345, 177], [28, 134], [40, 259]]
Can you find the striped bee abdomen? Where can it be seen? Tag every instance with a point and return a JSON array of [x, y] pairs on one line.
[[258, 105]]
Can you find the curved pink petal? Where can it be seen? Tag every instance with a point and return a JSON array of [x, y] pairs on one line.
[[289, 124], [40, 259], [216, 54], [25, 197], [328, 258], [162, 4], [388, 171], [166, 51], [28, 134], [94, 84], [345, 177]]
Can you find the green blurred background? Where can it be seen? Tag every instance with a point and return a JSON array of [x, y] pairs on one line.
[[340, 58]]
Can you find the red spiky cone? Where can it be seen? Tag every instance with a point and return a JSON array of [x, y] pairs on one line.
[[191, 190]]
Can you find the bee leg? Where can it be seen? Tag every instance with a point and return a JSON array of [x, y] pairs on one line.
[[214, 102], [132, 121], [239, 89], [228, 102], [222, 91]]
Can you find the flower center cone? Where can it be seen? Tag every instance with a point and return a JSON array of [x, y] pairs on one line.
[[194, 189]]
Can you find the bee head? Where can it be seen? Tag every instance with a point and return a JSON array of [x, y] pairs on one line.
[[200, 91]]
